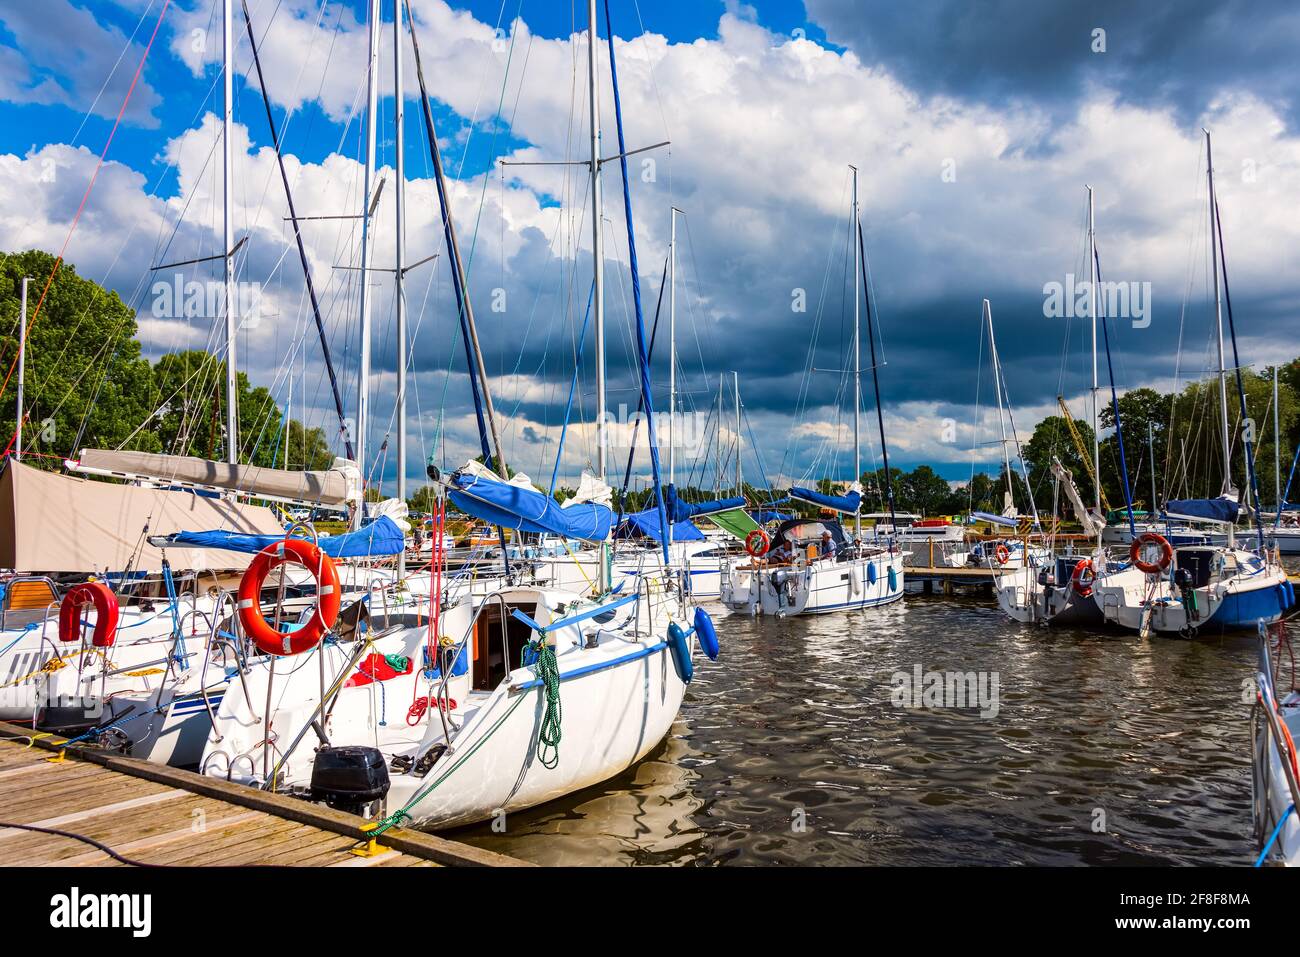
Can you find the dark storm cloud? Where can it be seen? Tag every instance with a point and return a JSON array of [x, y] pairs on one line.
[[1177, 53]]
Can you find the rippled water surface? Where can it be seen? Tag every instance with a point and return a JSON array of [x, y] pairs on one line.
[[1106, 750]]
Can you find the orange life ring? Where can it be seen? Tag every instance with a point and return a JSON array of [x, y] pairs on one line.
[[106, 612], [1003, 554], [763, 543], [1151, 538], [328, 597], [1083, 586]]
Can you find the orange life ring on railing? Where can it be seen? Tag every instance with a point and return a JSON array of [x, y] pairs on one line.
[[105, 602], [1151, 538], [1003, 554], [1083, 586], [328, 597], [763, 543]]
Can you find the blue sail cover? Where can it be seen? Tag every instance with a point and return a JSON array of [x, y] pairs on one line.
[[994, 519], [841, 503], [1221, 509], [528, 510], [679, 511], [764, 516], [646, 524], [380, 537]]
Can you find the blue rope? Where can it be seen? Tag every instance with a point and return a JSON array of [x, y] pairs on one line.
[[1276, 831], [178, 636]]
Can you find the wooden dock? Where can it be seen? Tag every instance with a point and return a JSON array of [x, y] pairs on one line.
[[152, 814], [949, 578]]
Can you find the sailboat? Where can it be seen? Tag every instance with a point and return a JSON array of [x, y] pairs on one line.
[[1275, 768], [1011, 553], [810, 566], [521, 697], [1184, 589], [1060, 591]]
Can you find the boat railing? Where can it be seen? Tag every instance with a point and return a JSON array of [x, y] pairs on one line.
[[497, 597], [1268, 703], [7, 595]]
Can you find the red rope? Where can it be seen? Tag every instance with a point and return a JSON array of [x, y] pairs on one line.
[[85, 197]]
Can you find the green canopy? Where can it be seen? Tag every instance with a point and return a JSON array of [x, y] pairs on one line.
[[735, 522]]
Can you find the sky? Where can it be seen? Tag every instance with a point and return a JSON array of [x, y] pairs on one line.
[[974, 131]]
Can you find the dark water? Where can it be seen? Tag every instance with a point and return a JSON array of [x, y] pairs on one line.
[[1106, 749]]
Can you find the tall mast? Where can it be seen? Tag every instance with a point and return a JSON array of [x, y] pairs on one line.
[[1151, 451], [399, 223], [857, 361], [672, 345], [1092, 313], [740, 485], [228, 226], [22, 371], [997, 387], [597, 244], [1277, 449], [1218, 324], [363, 377]]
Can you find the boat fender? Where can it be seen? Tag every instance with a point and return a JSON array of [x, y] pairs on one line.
[[706, 633], [106, 612], [871, 574], [893, 579], [681, 652]]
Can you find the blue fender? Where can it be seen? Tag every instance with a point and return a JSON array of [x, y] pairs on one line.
[[893, 579], [681, 652], [871, 573], [706, 633]]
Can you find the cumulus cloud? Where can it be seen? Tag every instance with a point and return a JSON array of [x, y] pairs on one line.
[[962, 198]]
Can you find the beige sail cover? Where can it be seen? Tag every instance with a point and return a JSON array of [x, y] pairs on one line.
[[332, 487], [57, 523]]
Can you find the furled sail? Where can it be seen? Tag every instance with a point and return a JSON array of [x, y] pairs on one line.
[[680, 511], [339, 485], [379, 538], [645, 524], [59, 523], [849, 502], [517, 504], [1092, 522], [1223, 509]]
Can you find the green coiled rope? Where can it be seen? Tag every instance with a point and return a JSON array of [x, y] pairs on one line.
[[549, 731]]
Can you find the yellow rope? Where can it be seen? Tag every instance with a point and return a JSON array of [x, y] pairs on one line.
[[50, 667]]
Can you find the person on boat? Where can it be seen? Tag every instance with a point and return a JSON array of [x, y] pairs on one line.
[[827, 548], [781, 554]]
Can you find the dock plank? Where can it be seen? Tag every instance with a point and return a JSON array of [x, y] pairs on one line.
[[158, 815]]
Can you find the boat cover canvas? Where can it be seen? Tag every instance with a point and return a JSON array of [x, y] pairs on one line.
[[57, 523], [381, 537], [680, 511], [336, 486], [1223, 509], [736, 522], [849, 502], [517, 504], [646, 524]]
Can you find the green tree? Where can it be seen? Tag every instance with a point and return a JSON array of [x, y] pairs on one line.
[[85, 381], [1051, 438]]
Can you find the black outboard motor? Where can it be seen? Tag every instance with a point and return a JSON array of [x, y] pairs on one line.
[[349, 778]]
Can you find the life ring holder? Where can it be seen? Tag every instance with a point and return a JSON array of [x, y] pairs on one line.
[[261, 632], [1151, 538], [106, 608]]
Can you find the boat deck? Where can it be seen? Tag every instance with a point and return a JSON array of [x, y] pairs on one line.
[[152, 814]]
